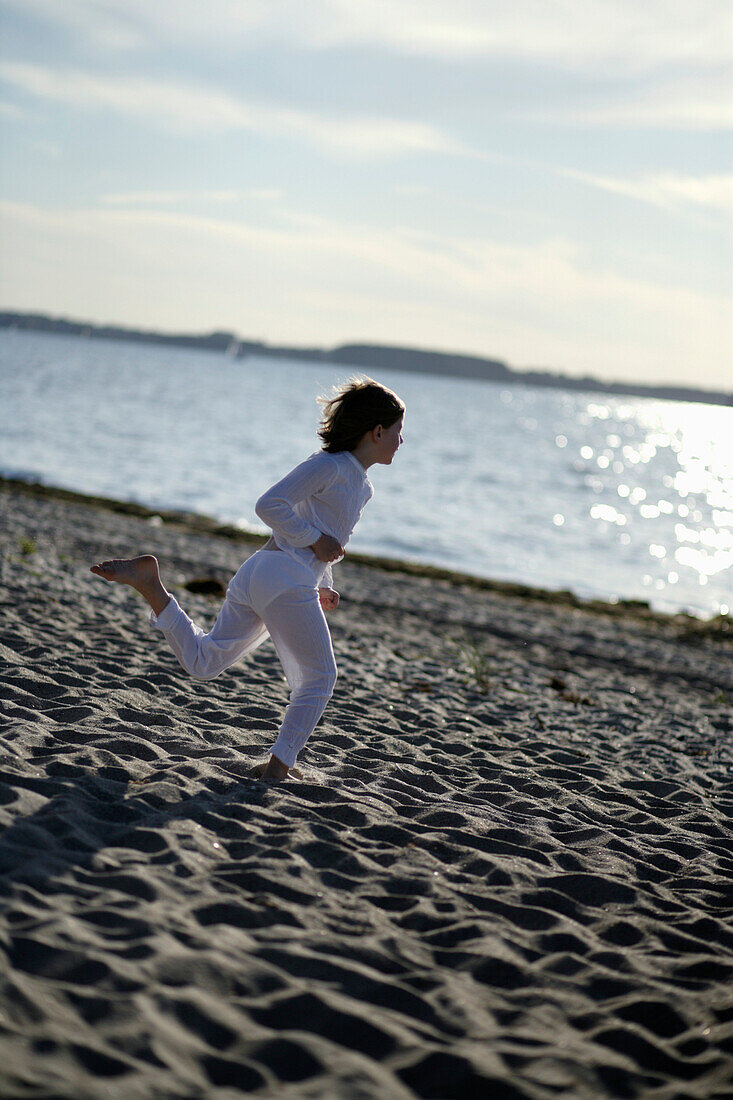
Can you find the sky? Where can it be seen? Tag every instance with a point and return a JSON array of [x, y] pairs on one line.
[[545, 182]]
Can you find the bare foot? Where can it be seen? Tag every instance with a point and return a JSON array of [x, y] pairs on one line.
[[274, 769], [141, 573]]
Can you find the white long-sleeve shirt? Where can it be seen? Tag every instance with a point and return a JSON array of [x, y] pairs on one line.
[[325, 495]]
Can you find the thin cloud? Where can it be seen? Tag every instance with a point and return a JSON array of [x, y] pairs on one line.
[[554, 270], [14, 112], [701, 102], [575, 34], [662, 64], [666, 190], [189, 108], [174, 198]]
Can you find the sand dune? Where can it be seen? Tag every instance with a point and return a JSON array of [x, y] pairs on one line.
[[506, 873]]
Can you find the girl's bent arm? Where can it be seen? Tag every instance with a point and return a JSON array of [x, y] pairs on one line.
[[327, 548], [275, 507]]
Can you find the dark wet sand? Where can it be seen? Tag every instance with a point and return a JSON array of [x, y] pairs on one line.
[[507, 871]]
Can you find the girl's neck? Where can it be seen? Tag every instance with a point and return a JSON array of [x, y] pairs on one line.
[[363, 452]]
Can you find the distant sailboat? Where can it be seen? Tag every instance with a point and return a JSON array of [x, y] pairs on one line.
[[233, 349]]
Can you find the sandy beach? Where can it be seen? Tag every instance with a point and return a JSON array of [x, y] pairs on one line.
[[506, 873]]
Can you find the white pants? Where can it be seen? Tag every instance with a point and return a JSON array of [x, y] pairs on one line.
[[273, 595]]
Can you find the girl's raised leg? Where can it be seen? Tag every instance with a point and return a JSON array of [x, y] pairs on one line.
[[237, 631]]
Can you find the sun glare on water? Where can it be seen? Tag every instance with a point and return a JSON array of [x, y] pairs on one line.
[[686, 453]]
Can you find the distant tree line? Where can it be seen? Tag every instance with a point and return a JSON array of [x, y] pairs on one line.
[[368, 357]]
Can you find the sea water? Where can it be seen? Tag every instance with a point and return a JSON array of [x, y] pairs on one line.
[[608, 496]]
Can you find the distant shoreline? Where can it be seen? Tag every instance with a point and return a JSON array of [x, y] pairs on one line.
[[361, 356]]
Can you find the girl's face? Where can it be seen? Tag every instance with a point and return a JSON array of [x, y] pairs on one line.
[[389, 441]]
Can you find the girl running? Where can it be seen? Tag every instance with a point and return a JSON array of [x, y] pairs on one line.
[[285, 587]]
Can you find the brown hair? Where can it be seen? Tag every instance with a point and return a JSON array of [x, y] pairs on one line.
[[354, 409]]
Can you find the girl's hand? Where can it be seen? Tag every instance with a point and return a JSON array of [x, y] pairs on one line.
[[329, 599], [327, 549]]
